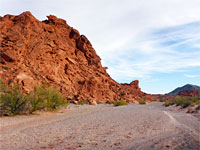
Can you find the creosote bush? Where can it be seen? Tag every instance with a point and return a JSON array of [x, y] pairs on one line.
[[83, 102], [142, 101], [120, 103], [13, 102], [184, 102]]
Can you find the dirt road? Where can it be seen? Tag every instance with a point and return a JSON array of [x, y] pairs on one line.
[[103, 127]]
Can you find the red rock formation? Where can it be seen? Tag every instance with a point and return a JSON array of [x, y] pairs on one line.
[[189, 93], [34, 52], [184, 93]]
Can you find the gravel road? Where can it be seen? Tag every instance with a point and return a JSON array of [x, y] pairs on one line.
[[103, 127]]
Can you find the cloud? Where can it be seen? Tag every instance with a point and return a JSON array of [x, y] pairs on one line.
[[191, 76], [134, 38], [159, 51]]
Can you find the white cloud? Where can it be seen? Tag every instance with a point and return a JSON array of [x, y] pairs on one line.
[[122, 31], [191, 75]]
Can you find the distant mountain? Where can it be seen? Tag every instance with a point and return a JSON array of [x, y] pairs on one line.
[[185, 87]]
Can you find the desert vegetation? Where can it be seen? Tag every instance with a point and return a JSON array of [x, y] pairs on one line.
[[142, 101], [13, 102], [184, 102], [120, 103], [83, 102]]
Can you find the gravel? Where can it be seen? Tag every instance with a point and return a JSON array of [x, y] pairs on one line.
[[102, 127]]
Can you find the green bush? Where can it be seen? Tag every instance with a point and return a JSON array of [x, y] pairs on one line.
[[53, 99], [83, 102], [120, 103], [195, 100], [184, 102], [167, 103], [45, 98], [162, 100], [179, 101], [13, 102], [142, 101], [3, 87]]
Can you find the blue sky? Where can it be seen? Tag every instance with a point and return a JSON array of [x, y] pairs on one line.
[[154, 41]]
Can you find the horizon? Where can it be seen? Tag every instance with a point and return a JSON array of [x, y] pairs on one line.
[[135, 40]]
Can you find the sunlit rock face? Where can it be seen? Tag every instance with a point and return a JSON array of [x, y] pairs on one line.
[[51, 52]]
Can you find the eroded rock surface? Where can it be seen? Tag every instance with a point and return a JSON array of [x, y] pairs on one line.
[[50, 51]]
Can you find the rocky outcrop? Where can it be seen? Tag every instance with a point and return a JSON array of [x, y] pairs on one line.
[[51, 52], [189, 93], [185, 87]]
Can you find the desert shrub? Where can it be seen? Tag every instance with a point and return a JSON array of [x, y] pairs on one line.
[[142, 101], [37, 99], [45, 98], [167, 103], [3, 87], [13, 102], [195, 100], [54, 99], [83, 102], [184, 102], [120, 103], [162, 100], [179, 101]]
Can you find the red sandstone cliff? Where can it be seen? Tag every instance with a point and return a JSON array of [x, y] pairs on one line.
[[34, 52]]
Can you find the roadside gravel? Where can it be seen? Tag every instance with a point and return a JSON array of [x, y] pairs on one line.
[[102, 127]]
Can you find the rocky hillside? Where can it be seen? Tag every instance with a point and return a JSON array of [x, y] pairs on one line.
[[186, 87], [187, 90], [51, 52], [190, 93]]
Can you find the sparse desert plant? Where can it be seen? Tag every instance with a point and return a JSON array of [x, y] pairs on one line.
[[45, 98], [184, 102], [54, 99], [37, 99], [162, 100], [13, 102], [167, 103], [142, 101], [195, 100], [179, 101], [3, 87], [83, 102], [120, 103]]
